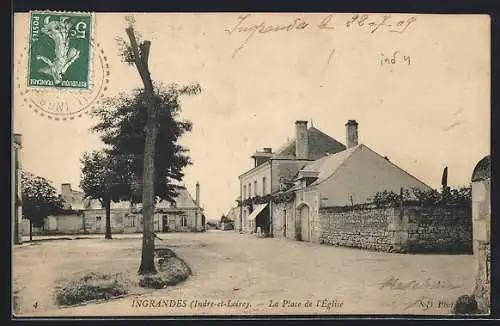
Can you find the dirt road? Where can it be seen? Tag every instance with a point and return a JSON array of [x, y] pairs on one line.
[[239, 274]]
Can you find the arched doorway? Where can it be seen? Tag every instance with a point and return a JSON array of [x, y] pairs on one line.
[[305, 232]]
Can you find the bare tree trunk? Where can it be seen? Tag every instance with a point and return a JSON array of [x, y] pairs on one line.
[[148, 245], [17, 232], [148, 194], [108, 219], [31, 231]]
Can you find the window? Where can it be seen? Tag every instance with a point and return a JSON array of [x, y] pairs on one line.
[[244, 192], [131, 219], [255, 187], [263, 186], [98, 218], [173, 204], [183, 220], [249, 190]]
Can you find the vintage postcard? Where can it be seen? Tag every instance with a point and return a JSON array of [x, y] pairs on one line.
[[249, 164]]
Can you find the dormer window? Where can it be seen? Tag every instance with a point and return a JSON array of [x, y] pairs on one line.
[[307, 177], [263, 156]]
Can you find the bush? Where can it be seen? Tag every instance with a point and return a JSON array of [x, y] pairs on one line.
[[93, 286], [171, 271], [448, 197]]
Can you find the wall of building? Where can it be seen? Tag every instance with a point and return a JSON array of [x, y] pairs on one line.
[[25, 228], [238, 222], [69, 224], [481, 219], [185, 221], [280, 169], [60, 224], [122, 221], [95, 221], [287, 217], [362, 175], [358, 228], [414, 229], [438, 229], [310, 197], [284, 220], [256, 176], [286, 169]]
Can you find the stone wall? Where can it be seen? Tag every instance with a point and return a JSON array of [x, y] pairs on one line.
[[284, 220], [364, 228], [438, 229], [414, 229]]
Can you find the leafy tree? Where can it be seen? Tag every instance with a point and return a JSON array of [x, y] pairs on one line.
[[144, 117], [121, 125], [106, 179], [122, 121], [39, 199]]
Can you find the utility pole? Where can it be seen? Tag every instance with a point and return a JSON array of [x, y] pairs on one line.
[[151, 131]]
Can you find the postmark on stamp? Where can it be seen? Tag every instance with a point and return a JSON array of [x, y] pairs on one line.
[[59, 104], [62, 71], [60, 49]]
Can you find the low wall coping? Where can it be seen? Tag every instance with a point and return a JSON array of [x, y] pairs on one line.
[[401, 227]]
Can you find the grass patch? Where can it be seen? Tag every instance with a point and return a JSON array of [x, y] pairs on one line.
[[172, 270], [92, 286]]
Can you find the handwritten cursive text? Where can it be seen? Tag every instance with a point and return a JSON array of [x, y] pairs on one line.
[[395, 58], [367, 23], [394, 283]]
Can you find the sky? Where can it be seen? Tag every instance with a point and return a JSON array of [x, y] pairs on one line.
[[427, 109]]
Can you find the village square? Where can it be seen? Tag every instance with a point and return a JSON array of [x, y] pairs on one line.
[[200, 197]]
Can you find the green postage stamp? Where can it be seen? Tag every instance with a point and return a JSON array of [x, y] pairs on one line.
[[59, 50]]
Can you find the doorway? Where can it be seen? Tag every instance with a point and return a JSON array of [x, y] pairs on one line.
[[164, 220], [304, 222]]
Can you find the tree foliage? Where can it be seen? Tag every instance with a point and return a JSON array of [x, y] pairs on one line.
[[461, 196], [39, 198], [105, 178], [122, 120]]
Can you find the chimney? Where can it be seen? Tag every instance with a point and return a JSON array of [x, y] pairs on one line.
[[301, 146], [65, 190], [66, 195], [198, 194], [351, 128]]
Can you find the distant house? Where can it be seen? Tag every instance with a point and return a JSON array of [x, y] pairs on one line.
[[230, 218], [321, 173], [233, 214], [181, 215], [87, 216]]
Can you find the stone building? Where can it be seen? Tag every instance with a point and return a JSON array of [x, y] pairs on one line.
[[274, 169], [87, 216], [481, 219], [17, 190], [317, 171]]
